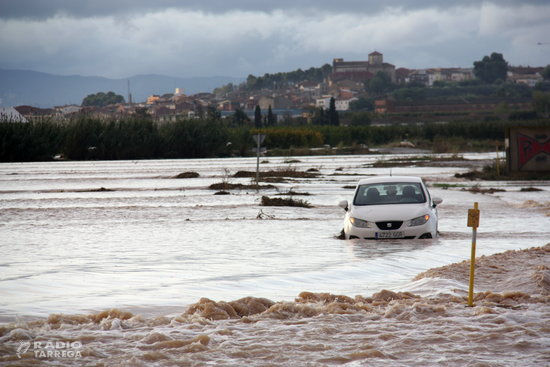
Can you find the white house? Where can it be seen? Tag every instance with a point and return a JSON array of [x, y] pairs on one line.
[[323, 102], [525, 75], [68, 109], [343, 104], [340, 104], [10, 114]]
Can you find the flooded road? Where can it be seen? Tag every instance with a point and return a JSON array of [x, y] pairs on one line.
[[78, 238]]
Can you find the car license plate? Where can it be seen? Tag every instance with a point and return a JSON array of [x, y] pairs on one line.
[[389, 234]]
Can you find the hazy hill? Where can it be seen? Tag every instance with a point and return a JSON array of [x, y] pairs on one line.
[[24, 87]]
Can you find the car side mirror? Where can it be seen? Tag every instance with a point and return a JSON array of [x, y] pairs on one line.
[[343, 204], [436, 201]]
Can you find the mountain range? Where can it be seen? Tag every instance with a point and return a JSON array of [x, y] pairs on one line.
[[37, 89]]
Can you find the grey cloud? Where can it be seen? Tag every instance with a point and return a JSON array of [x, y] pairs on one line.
[[40, 9], [142, 40]]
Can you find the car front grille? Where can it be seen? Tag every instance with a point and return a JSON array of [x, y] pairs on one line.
[[389, 225]]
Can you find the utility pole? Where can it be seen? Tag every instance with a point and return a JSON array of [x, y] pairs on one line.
[[258, 138]]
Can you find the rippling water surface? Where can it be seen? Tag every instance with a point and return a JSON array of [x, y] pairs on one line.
[[80, 237]]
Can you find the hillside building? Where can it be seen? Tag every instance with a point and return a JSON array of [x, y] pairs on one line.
[[429, 76], [35, 113], [10, 114], [340, 104], [527, 75], [152, 99], [361, 70]]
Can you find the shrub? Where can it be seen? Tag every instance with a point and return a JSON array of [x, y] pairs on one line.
[[267, 201]]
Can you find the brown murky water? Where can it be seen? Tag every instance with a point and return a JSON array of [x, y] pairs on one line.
[[506, 327]]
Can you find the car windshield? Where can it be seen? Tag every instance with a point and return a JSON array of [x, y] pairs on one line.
[[389, 193]]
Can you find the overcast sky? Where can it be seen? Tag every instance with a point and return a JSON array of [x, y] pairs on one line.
[[121, 38]]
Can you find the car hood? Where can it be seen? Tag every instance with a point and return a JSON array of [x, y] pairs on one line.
[[389, 212]]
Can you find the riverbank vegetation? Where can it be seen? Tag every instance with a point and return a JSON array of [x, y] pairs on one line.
[[88, 138]]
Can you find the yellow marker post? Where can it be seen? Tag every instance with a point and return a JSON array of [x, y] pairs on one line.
[[473, 221]]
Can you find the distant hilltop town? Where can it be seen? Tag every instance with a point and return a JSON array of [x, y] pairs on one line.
[[348, 83]]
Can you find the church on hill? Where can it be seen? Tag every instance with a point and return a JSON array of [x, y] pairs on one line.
[[361, 70]]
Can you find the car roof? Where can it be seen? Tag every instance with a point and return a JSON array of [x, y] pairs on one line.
[[379, 179]]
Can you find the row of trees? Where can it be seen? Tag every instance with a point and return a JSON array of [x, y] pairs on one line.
[[281, 80], [89, 138], [326, 117], [268, 120], [102, 99]]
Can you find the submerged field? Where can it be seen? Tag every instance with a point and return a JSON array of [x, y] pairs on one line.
[[138, 267]]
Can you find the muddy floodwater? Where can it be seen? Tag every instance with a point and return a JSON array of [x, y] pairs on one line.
[[119, 263]]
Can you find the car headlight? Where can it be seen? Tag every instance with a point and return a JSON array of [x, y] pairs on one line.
[[359, 222], [419, 220]]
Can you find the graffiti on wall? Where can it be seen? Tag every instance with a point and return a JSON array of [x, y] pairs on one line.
[[529, 149]]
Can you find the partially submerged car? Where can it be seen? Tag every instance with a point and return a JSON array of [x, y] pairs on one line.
[[391, 207]]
